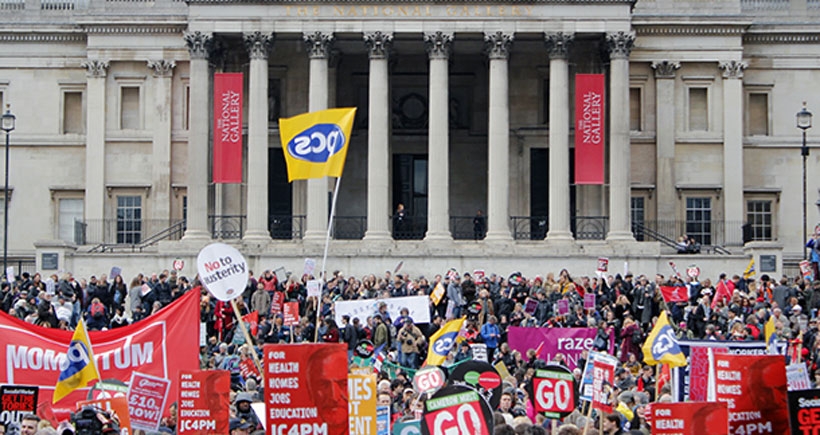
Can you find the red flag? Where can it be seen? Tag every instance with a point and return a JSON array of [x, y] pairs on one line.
[[252, 319], [723, 291], [674, 293], [227, 160], [589, 129]]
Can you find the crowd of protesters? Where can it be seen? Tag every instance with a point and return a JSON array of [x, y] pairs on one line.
[[729, 308]]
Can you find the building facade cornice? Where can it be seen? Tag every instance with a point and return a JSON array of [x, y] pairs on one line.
[[42, 37], [710, 29], [631, 3], [135, 28], [781, 38]]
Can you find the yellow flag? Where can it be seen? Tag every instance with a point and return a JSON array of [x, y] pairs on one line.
[[442, 342], [78, 368], [769, 330], [661, 346], [316, 143], [750, 269]]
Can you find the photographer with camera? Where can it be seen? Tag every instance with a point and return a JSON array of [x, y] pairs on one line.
[[91, 420], [411, 340]]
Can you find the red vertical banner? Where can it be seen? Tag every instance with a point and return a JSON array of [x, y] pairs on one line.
[[227, 127], [754, 387], [204, 403], [589, 129]]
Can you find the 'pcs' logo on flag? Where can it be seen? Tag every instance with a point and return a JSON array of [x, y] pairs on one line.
[[316, 143]]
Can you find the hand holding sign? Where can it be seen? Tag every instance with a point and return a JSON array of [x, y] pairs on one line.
[[223, 270]]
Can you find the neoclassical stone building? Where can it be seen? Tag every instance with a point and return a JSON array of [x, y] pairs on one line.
[[463, 107]]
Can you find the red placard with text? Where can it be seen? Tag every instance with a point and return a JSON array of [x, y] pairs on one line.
[[602, 376], [589, 129], [227, 128], [754, 387], [690, 418], [291, 314], [308, 388], [204, 404], [146, 400]]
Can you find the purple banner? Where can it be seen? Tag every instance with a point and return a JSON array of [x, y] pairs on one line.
[[569, 342], [531, 306]]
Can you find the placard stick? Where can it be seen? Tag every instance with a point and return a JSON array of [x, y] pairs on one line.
[[247, 338]]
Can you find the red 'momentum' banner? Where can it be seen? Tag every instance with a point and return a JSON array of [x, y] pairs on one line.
[[589, 129], [690, 418], [227, 127], [160, 345], [307, 385]]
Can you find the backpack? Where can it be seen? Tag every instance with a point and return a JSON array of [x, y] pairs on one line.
[[637, 336], [97, 310]]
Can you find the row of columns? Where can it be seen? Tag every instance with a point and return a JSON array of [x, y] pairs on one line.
[[733, 203], [438, 46]]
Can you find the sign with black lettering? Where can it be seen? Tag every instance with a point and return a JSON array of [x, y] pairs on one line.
[[17, 401]]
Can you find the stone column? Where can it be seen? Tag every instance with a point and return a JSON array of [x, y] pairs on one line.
[[163, 71], [95, 142], [199, 45], [258, 45], [498, 136], [378, 136], [620, 46], [733, 203], [438, 46], [558, 46], [665, 139], [318, 48]]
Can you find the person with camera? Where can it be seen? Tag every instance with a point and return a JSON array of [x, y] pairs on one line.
[[89, 420], [411, 340]]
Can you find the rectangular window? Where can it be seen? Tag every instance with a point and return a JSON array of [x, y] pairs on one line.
[[759, 220], [73, 113], [635, 109], [698, 109], [638, 214], [758, 114], [130, 108], [129, 219], [70, 211], [699, 219]]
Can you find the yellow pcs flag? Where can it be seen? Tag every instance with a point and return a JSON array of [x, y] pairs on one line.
[[771, 337], [750, 269], [442, 342], [78, 368], [316, 143], [661, 346]]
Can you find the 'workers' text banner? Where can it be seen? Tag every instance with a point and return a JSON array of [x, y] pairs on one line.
[[227, 127], [589, 129]]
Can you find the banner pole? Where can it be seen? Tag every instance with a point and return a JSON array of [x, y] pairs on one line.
[[322, 271], [589, 418], [247, 338], [657, 380]]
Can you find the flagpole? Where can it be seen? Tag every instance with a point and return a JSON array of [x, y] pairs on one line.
[[322, 272], [247, 338]]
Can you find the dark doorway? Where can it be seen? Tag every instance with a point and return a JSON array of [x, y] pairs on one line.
[[539, 192], [280, 196], [410, 189]]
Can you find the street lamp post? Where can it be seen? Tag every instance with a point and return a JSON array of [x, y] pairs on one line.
[[6, 125], [804, 123]]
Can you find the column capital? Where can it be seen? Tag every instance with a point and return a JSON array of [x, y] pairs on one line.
[[620, 44], [95, 67], [665, 69], [559, 44], [199, 44], [498, 44], [318, 44], [733, 69], [378, 44], [258, 44], [162, 67], [439, 44]]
